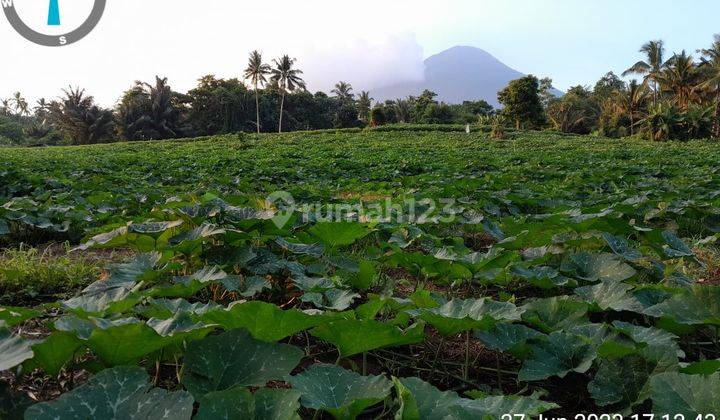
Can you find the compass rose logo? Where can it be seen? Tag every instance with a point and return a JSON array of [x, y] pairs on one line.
[[55, 20]]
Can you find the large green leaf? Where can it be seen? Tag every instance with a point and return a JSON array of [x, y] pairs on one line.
[[101, 296], [357, 336], [624, 382], [239, 403], [340, 392], [420, 400], [559, 355], [13, 350], [265, 321], [621, 247], [13, 316], [505, 337], [596, 267], [498, 406], [234, 359], [187, 286], [555, 313], [53, 353], [167, 308], [695, 306], [543, 277], [689, 395], [338, 234], [125, 343], [153, 228], [611, 295], [650, 336], [461, 315], [675, 247], [116, 394], [705, 367]]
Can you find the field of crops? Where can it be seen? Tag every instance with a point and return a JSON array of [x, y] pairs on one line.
[[373, 275]]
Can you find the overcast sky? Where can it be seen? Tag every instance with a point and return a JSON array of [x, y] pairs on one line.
[[368, 43]]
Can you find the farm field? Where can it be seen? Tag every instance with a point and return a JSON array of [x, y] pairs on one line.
[[409, 274]]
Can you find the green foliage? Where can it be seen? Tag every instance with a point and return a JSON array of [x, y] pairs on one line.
[[28, 274], [521, 101], [233, 359], [342, 393], [77, 117], [687, 395], [119, 393], [419, 399], [13, 349], [576, 256], [357, 336], [239, 403]]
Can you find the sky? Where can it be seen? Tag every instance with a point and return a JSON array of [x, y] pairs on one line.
[[369, 43]]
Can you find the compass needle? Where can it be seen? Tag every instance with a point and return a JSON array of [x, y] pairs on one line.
[[54, 13]]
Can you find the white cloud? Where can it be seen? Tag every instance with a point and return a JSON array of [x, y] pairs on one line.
[[365, 64], [366, 43]]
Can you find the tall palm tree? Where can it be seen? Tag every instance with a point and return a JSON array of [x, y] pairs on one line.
[[681, 78], [287, 79], [651, 68], [632, 101], [256, 72], [710, 65], [21, 105], [364, 103], [343, 91]]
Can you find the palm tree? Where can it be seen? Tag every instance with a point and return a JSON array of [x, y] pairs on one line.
[[5, 107], [287, 79], [77, 116], [710, 65], [21, 105], [256, 72], [402, 109], [661, 122], [681, 78], [631, 101], [651, 68], [364, 103], [343, 91]]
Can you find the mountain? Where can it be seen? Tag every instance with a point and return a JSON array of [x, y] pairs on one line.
[[456, 75]]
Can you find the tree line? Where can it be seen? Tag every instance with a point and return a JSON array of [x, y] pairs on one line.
[[269, 98], [675, 98]]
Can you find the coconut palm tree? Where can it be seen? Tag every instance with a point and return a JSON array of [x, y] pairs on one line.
[[21, 105], [651, 68], [287, 79], [681, 78], [710, 65], [632, 101], [5, 107], [403, 110], [364, 103], [256, 72], [343, 91], [76, 116]]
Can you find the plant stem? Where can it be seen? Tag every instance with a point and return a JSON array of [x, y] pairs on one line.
[[466, 368]]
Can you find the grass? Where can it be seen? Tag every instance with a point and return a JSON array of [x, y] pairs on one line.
[[33, 275]]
